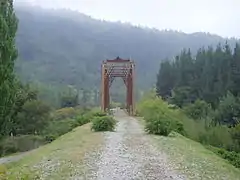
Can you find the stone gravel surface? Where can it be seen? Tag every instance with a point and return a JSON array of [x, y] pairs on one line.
[[129, 154]]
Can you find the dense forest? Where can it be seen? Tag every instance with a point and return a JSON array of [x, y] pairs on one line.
[[206, 87], [63, 47], [211, 75]]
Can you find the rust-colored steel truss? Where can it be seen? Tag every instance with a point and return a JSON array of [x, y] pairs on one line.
[[118, 68]]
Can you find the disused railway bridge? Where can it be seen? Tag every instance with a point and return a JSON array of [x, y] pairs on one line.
[[118, 68]]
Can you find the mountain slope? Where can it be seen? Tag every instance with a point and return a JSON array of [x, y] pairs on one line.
[[66, 47]]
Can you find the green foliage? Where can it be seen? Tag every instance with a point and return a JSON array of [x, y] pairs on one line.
[[160, 119], [33, 117], [83, 119], [54, 129], [99, 113], [3, 172], [103, 123], [211, 76], [236, 137], [163, 125], [182, 96], [198, 110], [228, 111], [64, 113], [231, 156], [8, 54], [69, 99], [21, 143], [165, 72], [218, 136], [64, 120], [24, 94]]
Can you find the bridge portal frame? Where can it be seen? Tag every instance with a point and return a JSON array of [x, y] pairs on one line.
[[111, 69]]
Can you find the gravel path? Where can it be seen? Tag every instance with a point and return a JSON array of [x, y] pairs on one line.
[[130, 154]]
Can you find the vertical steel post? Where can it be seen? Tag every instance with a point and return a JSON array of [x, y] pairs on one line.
[[102, 87], [106, 91], [133, 88], [130, 92]]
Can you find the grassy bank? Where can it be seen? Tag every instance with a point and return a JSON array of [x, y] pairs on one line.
[[194, 160], [162, 118], [60, 159], [61, 122]]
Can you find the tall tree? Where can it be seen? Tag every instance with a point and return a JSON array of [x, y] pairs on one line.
[[235, 71], [165, 79], [8, 54], [208, 76]]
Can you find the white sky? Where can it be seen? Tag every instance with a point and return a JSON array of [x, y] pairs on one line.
[[220, 17]]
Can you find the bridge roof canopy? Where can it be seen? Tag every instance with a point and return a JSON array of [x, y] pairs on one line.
[[118, 60]]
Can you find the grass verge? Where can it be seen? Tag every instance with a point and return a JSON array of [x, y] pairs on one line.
[[57, 160], [194, 160]]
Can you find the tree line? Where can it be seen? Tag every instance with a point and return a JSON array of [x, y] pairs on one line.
[[213, 76]]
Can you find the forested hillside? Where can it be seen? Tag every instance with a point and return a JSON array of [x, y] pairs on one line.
[[66, 47], [206, 88]]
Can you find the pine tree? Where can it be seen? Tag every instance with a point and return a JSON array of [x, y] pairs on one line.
[[235, 71], [8, 54], [208, 76], [165, 80]]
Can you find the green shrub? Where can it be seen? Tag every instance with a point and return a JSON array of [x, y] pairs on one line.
[[20, 144], [232, 157], [57, 128], [218, 136], [160, 119], [163, 124], [192, 129], [158, 126], [99, 114], [198, 110], [103, 123], [83, 119], [33, 117], [65, 113], [235, 132], [228, 111]]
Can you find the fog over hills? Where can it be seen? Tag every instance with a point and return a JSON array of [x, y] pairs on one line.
[[67, 47]]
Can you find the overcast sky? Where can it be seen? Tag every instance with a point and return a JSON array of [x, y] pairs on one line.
[[220, 17]]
